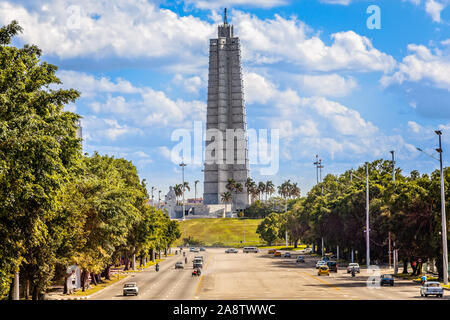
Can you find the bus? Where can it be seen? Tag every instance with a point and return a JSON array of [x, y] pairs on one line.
[[250, 249]]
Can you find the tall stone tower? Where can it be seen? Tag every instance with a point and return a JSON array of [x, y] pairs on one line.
[[226, 115]]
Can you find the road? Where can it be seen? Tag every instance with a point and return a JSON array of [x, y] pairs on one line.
[[256, 276]]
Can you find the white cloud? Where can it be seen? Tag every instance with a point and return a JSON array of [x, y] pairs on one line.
[[420, 65], [127, 29], [136, 29], [414, 126], [220, 4], [146, 106], [317, 123], [434, 8], [330, 85], [288, 40], [96, 129]]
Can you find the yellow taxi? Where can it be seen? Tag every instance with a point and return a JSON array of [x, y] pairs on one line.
[[271, 251], [323, 270], [277, 254]]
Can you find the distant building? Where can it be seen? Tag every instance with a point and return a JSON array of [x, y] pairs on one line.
[[195, 201], [225, 113]]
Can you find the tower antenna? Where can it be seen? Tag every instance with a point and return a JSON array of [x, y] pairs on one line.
[[225, 20]]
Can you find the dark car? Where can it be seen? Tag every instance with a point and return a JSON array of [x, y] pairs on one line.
[[387, 279], [300, 259], [332, 265]]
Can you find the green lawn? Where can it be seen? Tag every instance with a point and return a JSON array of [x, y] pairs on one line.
[[228, 231]]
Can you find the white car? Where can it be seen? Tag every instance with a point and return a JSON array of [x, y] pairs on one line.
[[231, 250], [130, 288], [194, 249], [430, 288], [320, 263], [353, 266]]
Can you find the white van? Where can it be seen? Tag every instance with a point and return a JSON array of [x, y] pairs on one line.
[[250, 249]]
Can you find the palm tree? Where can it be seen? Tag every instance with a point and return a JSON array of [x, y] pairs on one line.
[[295, 191], [284, 190], [195, 186], [226, 197], [178, 191], [238, 188], [261, 188], [230, 185], [250, 185], [270, 188]]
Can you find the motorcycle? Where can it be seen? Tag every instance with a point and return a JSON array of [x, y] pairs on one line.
[[157, 267], [353, 272], [185, 260], [196, 272]]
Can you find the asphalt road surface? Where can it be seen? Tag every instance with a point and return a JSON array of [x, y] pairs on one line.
[[256, 276]]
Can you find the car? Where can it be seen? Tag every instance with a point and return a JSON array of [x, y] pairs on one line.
[[271, 251], [179, 265], [387, 279], [355, 266], [323, 270], [231, 250], [431, 288], [277, 254], [326, 259], [320, 263], [332, 265], [250, 249], [300, 259], [287, 255], [307, 250], [130, 288], [193, 249], [202, 249], [197, 263]]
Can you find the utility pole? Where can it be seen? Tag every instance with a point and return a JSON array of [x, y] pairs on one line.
[[182, 165], [367, 217], [317, 167], [444, 220], [322, 248], [153, 204], [159, 199], [389, 234]]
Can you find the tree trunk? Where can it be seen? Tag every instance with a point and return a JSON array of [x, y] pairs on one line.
[[27, 289], [66, 289], [84, 279], [35, 293], [405, 266], [295, 243], [107, 272], [126, 263]]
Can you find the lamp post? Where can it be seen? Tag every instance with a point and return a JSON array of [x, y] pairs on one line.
[[153, 188], [444, 219], [367, 217], [389, 234], [195, 186], [182, 165], [159, 199], [367, 214]]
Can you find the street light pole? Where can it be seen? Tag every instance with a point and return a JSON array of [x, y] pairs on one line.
[[389, 234], [367, 217], [182, 165], [153, 203], [159, 199], [444, 220]]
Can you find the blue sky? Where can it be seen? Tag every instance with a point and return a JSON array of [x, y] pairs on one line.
[[312, 69]]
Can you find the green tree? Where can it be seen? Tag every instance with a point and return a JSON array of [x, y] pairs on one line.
[[38, 151]]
